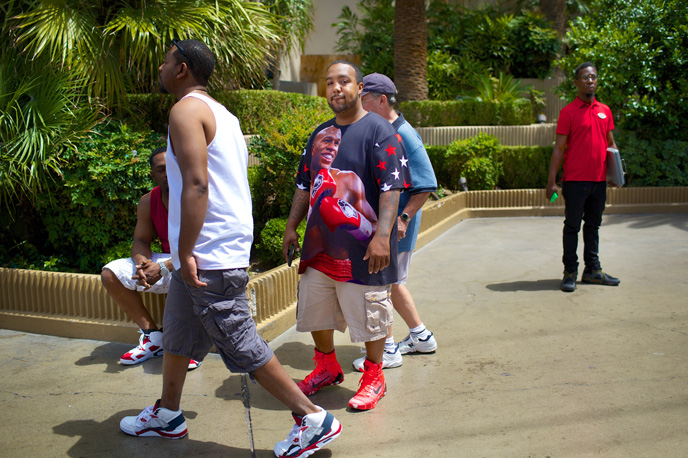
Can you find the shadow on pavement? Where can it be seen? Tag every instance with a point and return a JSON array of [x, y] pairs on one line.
[[528, 285]]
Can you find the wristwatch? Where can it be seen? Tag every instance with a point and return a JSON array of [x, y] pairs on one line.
[[405, 217], [163, 268]]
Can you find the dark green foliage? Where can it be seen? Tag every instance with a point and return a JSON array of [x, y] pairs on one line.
[[256, 109], [279, 147], [450, 76], [462, 44], [477, 159], [536, 46], [640, 48], [653, 162], [438, 155], [524, 167], [523, 45], [147, 111], [431, 113], [94, 207], [270, 247], [516, 113]]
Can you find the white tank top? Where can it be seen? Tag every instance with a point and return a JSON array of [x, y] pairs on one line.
[[227, 234]]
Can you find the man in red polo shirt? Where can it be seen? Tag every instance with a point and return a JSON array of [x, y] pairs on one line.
[[584, 132]]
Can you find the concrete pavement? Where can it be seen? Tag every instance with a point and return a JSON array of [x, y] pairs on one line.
[[522, 370]]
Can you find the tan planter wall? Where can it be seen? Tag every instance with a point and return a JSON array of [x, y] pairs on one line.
[[77, 305]]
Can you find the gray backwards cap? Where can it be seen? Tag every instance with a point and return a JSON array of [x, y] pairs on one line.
[[378, 83]]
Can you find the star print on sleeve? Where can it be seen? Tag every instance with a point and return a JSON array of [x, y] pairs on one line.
[[386, 187], [396, 174], [403, 161], [399, 138], [406, 185], [391, 150], [382, 165], [305, 167], [301, 186]]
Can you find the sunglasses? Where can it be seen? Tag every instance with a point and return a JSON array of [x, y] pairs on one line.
[[177, 43]]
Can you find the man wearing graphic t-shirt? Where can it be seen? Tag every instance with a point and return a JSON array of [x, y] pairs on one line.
[[349, 256], [584, 132]]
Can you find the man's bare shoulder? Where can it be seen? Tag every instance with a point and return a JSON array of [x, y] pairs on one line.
[[188, 107], [144, 202]]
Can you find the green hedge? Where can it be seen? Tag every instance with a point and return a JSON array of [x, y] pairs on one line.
[[269, 248], [256, 108], [433, 113], [476, 159], [524, 167], [147, 111]]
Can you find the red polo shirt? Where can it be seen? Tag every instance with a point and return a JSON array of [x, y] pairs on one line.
[[586, 127]]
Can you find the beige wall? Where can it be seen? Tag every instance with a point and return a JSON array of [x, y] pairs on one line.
[[321, 41]]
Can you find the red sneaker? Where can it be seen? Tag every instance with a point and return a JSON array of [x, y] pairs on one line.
[[372, 387], [327, 372]]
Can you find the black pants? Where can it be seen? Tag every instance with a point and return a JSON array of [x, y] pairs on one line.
[[584, 202]]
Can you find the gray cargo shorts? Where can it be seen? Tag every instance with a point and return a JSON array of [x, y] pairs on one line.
[[195, 319]]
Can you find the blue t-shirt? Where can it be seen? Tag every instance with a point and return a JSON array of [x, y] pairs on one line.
[[423, 178], [345, 169]]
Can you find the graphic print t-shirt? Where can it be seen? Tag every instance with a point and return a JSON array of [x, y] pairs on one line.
[[345, 169]]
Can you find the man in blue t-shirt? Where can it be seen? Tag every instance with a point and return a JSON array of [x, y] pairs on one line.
[[348, 184], [379, 96]]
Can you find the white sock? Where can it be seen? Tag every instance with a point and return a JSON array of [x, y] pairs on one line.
[[421, 331], [389, 343], [417, 329], [318, 417]]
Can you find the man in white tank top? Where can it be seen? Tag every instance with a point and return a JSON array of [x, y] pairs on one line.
[[210, 233]]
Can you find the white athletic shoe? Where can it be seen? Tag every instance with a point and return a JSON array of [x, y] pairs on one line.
[[308, 435], [150, 346], [412, 344], [389, 359], [155, 421]]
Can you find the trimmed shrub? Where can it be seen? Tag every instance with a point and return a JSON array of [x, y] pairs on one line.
[[147, 111], [256, 109], [270, 247], [524, 167], [516, 113], [432, 113], [477, 159]]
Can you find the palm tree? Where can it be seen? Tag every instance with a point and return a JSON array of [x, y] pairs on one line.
[[410, 49], [115, 47], [555, 12], [42, 112]]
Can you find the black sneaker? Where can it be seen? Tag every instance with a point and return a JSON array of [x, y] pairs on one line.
[[568, 283], [598, 277]]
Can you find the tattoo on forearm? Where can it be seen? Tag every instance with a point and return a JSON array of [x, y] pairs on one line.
[[299, 206], [389, 202]]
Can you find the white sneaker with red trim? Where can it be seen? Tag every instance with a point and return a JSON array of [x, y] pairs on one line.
[[150, 346]]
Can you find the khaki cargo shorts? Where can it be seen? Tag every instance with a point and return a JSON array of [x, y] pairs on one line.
[[324, 303]]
